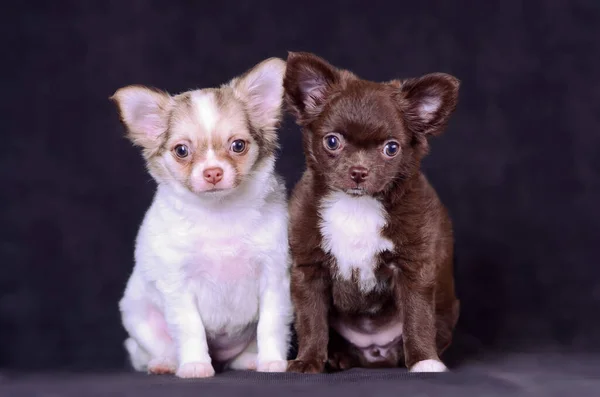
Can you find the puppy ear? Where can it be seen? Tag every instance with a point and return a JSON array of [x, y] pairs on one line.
[[261, 89], [308, 80], [144, 111], [428, 102]]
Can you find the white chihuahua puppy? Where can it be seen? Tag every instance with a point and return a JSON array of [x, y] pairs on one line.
[[210, 285]]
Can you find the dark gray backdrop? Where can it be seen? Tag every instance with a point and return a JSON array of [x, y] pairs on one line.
[[518, 167]]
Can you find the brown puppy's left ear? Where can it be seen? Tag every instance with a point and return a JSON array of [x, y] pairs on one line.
[[428, 102]]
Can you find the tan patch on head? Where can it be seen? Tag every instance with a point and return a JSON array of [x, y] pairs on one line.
[[208, 122], [244, 111]]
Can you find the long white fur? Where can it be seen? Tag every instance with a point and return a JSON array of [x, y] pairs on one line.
[[213, 268], [351, 228]]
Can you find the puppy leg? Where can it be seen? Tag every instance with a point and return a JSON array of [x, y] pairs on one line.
[[419, 336], [246, 360], [446, 319], [275, 314], [138, 357], [310, 294], [187, 330], [150, 347], [340, 358]]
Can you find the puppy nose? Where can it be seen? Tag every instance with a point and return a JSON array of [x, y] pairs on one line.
[[358, 174], [213, 175]]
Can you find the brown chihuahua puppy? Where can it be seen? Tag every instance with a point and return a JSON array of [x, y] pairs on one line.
[[372, 244]]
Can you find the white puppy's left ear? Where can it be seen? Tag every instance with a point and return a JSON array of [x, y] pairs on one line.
[[428, 102], [261, 89]]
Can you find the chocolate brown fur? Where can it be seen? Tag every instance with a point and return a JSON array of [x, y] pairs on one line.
[[414, 281]]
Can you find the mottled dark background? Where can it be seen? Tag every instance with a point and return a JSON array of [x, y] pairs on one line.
[[518, 167]]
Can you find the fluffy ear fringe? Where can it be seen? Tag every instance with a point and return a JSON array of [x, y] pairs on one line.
[[261, 89], [144, 112], [428, 102], [308, 80]]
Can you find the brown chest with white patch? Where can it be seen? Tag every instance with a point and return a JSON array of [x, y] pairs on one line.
[[371, 242]]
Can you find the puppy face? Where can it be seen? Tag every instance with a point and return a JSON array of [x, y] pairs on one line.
[[207, 141], [361, 136]]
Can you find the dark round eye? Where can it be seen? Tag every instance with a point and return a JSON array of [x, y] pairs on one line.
[[391, 149], [332, 142], [238, 146], [181, 151]]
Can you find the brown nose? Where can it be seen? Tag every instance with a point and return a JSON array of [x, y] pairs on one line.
[[358, 174], [213, 175]]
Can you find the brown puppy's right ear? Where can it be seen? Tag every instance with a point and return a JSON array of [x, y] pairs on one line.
[[307, 82], [144, 112]]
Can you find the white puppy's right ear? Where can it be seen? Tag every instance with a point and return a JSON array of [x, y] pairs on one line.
[[145, 113]]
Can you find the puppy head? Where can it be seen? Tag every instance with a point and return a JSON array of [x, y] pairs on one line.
[[208, 140], [361, 136]]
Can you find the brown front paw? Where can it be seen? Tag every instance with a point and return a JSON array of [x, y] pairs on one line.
[[306, 366], [339, 362]]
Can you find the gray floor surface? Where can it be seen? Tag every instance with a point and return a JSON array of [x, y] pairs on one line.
[[540, 374]]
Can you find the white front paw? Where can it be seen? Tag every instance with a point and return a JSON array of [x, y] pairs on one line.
[[195, 370], [244, 362], [429, 366], [272, 366]]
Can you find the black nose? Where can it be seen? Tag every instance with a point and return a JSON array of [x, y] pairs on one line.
[[358, 174]]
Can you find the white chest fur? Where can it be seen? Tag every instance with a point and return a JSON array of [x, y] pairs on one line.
[[215, 251], [351, 230]]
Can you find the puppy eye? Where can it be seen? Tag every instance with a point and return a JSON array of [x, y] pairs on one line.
[[391, 149], [238, 146], [332, 142], [181, 151]]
